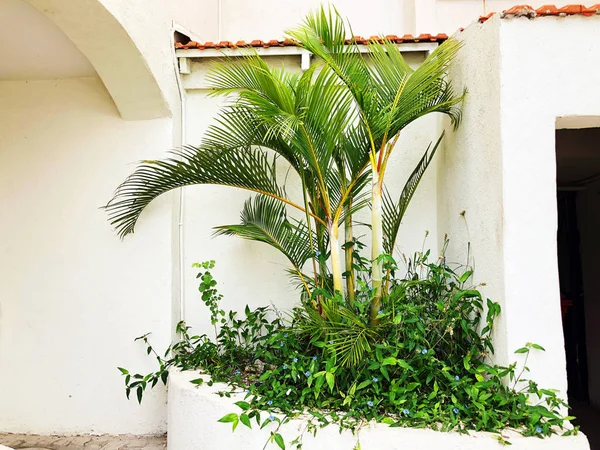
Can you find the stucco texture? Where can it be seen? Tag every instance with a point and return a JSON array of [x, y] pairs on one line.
[[522, 76], [73, 296]]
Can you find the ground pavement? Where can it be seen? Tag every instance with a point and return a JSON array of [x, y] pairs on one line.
[[125, 442]]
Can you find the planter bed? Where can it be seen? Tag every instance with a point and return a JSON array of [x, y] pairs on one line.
[[193, 413]]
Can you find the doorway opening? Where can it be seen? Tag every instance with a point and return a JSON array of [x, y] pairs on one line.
[[578, 239]]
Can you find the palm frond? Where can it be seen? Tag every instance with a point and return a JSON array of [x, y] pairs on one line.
[[393, 212], [252, 78], [264, 219], [325, 34], [345, 332], [429, 90], [246, 168], [301, 117]]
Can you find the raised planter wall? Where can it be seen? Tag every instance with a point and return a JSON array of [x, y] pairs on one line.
[[193, 413]]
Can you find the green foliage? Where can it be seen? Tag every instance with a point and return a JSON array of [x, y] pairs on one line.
[[426, 363], [333, 126], [410, 351], [238, 342]]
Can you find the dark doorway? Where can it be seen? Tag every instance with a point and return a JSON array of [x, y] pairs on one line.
[[578, 239], [572, 296]]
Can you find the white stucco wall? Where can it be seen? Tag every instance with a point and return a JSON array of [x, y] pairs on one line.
[[72, 296], [470, 175], [541, 78], [254, 273]]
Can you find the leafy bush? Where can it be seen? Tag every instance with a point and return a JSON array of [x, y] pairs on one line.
[[425, 364]]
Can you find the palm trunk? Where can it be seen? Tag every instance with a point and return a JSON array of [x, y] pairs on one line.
[[349, 253], [336, 266], [376, 247]]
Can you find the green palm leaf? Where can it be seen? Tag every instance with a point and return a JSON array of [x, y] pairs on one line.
[[345, 331], [245, 168], [393, 212], [388, 93], [264, 219]]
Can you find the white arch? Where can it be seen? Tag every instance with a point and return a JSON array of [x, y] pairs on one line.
[[110, 49]]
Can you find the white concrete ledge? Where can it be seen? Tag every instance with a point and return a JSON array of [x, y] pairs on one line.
[[4, 447], [193, 413]]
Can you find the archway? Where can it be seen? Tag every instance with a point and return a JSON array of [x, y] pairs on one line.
[[101, 37]]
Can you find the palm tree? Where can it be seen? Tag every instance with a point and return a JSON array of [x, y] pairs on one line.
[[334, 126], [389, 95]]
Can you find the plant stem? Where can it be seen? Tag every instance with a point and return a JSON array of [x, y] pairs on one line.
[[376, 246], [322, 248], [386, 286], [336, 266], [308, 224], [349, 250]]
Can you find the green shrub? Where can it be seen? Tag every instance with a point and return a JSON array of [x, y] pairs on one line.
[[425, 364]]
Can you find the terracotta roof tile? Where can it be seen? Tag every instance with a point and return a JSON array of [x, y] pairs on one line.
[[515, 11], [483, 18], [548, 10], [407, 38]]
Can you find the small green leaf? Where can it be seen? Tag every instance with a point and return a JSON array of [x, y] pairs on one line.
[[230, 418], [330, 380], [123, 371], [466, 362], [245, 406], [245, 420], [197, 381], [279, 441], [363, 385], [404, 364], [522, 350], [227, 418], [465, 276], [265, 375]]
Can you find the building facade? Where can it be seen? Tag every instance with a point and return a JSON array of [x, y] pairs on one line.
[[96, 85]]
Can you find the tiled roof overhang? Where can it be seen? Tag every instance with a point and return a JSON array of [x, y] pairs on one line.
[[406, 39], [515, 11], [546, 10]]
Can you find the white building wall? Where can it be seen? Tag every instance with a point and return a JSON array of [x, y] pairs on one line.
[[528, 121], [470, 169], [233, 20], [542, 74], [72, 296], [270, 18]]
